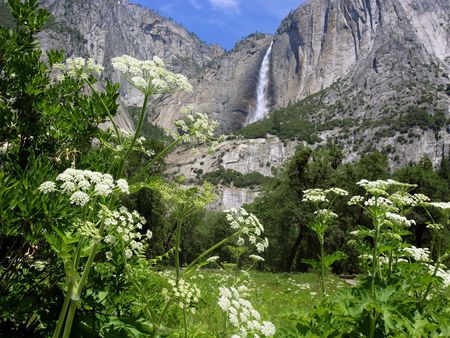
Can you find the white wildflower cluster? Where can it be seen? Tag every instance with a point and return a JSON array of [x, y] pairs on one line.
[[421, 198], [444, 206], [380, 202], [81, 185], [314, 195], [47, 187], [423, 255], [77, 68], [356, 200], [120, 143], [149, 76], [325, 214], [337, 191], [256, 258], [403, 199], [380, 187], [444, 275], [242, 315], [249, 225], [213, 259], [418, 254], [435, 226], [320, 195], [293, 282], [124, 231], [383, 185], [139, 145], [196, 128], [185, 294], [398, 219]]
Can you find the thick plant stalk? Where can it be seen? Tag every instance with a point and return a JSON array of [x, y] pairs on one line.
[[177, 251], [322, 268], [185, 323], [207, 252], [106, 109], [136, 135], [70, 316], [373, 315], [62, 314], [157, 157], [79, 289]]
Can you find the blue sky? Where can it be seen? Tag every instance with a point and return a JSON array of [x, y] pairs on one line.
[[224, 21]]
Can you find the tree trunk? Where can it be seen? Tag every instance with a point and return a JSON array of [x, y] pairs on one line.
[[293, 251]]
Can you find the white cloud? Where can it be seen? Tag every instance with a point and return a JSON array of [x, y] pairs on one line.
[[231, 6], [167, 8], [195, 4]]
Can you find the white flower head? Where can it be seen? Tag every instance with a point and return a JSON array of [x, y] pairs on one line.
[[314, 195], [77, 68], [213, 259], [241, 313], [79, 198], [47, 187], [256, 258], [150, 76]]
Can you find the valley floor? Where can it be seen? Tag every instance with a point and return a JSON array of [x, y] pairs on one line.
[[277, 297]]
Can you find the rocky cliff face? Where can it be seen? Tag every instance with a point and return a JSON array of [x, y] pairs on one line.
[[376, 46], [327, 40], [225, 89], [103, 29], [381, 66]]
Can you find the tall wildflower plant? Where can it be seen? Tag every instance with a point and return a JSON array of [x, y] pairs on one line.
[[402, 290], [102, 223], [387, 204], [323, 201], [241, 318]]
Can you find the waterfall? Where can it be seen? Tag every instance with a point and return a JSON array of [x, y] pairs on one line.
[[261, 90]]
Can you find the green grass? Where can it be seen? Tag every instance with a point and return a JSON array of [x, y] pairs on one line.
[[275, 296]]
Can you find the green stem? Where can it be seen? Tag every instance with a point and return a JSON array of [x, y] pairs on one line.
[[373, 315], [428, 289], [207, 252], [322, 268], [375, 257], [372, 326], [63, 312], [82, 282], [177, 250], [163, 314], [185, 323], [70, 316], [106, 109], [390, 263], [136, 135], [156, 158]]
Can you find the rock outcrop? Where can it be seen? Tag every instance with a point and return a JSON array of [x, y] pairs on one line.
[[104, 29], [381, 66], [376, 46]]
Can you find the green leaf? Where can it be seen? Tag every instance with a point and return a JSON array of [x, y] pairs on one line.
[[330, 259]]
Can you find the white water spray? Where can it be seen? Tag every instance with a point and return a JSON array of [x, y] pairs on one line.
[[261, 90]]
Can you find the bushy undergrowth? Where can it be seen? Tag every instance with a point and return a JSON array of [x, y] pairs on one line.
[[230, 177]]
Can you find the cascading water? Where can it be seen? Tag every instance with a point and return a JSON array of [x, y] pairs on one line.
[[261, 90]]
